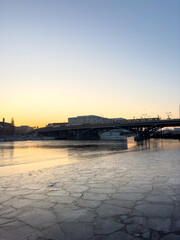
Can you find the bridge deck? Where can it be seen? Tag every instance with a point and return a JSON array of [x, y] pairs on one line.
[[120, 124]]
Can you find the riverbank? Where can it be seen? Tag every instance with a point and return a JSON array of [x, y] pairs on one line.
[[24, 138], [134, 195]]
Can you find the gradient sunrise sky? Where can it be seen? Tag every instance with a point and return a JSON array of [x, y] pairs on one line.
[[112, 58]]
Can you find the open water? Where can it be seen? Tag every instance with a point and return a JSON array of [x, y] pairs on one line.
[[63, 152]]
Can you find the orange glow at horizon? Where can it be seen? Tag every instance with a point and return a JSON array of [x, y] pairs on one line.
[[61, 60]]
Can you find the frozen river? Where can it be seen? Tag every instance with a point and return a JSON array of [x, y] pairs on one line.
[[90, 190], [63, 152]]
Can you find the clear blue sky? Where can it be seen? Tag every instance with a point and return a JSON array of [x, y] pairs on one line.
[[61, 58]]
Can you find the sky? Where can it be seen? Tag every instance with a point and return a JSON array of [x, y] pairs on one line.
[[111, 58]]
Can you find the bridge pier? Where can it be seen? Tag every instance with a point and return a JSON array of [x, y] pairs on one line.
[[145, 133], [140, 137]]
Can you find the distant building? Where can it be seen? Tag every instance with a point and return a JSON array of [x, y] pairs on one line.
[[4, 124], [5, 128], [87, 119], [23, 130], [91, 119]]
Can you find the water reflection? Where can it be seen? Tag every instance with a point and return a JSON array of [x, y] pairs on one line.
[[96, 149], [15, 153], [7, 154]]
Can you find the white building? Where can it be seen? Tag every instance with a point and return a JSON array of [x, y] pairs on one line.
[[91, 119]]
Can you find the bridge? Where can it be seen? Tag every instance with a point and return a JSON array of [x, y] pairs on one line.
[[142, 128]]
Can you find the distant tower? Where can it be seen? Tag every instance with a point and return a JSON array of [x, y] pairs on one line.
[[12, 126], [3, 121]]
